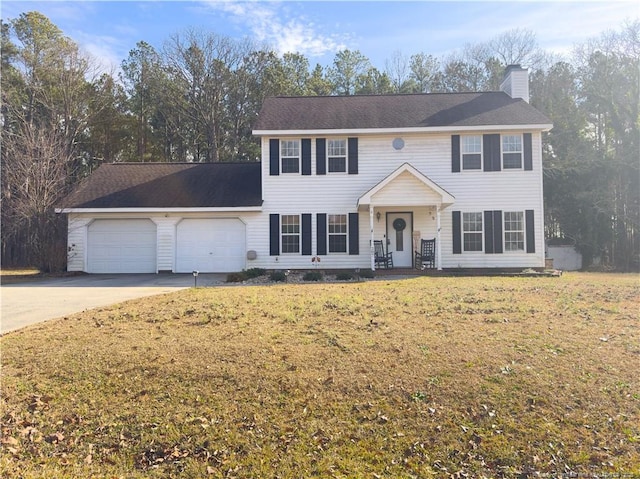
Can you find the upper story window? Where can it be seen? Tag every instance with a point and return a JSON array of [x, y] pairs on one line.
[[472, 152], [337, 233], [513, 231], [337, 155], [290, 233], [290, 156], [472, 231], [511, 151]]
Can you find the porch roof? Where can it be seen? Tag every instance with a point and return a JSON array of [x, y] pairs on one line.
[[406, 186]]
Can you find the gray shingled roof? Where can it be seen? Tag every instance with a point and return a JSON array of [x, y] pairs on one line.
[[396, 111], [170, 185]]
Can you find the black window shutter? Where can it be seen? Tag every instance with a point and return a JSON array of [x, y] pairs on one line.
[[306, 234], [353, 157], [306, 156], [488, 232], [528, 153], [321, 157], [274, 235], [457, 232], [455, 153], [354, 235], [321, 233], [530, 232], [274, 157], [497, 231], [491, 152]]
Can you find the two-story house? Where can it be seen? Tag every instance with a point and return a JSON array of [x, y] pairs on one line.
[[336, 174]]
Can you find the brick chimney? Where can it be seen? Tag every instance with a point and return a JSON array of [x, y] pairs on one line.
[[516, 82]]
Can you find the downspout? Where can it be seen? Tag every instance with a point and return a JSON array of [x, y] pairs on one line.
[[371, 247], [438, 242]]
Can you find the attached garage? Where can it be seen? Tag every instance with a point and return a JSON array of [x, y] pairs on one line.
[[210, 245], [121, 246]]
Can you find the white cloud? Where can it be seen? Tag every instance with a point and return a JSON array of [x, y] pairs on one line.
[[274, 24]]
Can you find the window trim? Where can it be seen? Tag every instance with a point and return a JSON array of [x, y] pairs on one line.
[[282, 156], [464, 232], [503, 152], [329, 157], [282, 234], [345, 233], [462, 152], [522, 232]]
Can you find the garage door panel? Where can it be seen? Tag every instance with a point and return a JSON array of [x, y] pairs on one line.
[[121, 246], [210, 245]]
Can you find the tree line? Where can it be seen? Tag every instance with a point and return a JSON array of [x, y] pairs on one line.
[[196, 99]]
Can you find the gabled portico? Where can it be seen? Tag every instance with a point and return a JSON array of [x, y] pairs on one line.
[[409, 200]]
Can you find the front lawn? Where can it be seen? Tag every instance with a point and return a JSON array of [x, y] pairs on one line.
[[424, 377]]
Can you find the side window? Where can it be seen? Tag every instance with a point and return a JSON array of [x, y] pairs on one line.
[[511, 152], [337, 229], [337, 155], [472, 152], [290, 156], [290, 233], [513, 231], [472, 231]]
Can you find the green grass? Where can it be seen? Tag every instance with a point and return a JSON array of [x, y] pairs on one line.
[[424, 377]]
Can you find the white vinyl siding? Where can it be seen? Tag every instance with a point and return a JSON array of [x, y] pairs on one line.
[[517, 190]]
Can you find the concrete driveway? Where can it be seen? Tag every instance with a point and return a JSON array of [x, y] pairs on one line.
[[32, 302]]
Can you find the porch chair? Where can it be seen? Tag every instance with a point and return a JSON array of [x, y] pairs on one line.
[[426, 257], [382, 259]]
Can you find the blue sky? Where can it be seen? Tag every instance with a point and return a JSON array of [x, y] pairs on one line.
[[110, 29]]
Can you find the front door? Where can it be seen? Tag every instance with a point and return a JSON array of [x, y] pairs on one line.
[[399, 233]]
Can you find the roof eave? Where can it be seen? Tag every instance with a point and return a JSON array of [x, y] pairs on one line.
[[205, 209], [381, 131]]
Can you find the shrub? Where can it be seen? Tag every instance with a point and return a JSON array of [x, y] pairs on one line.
[[344, 276], [278, 276], [312, 276], [366, 273], [237, 277], [255, 272]]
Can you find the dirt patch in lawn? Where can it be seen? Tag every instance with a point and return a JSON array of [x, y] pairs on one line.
[[408, 378]]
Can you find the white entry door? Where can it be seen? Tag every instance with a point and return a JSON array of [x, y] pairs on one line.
[[210, 245], [399, 234]]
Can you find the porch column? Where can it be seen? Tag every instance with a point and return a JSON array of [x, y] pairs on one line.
[[371, 248], [438, 242]]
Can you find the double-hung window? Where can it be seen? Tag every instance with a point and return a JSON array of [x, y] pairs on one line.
[[290, 156], [290, 233], [513, 231], [337, 229], [472, 152], [511, 151], [472, 231], [337, 155]]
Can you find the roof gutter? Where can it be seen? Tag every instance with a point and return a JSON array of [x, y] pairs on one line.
[[209, 209], [392, 131]]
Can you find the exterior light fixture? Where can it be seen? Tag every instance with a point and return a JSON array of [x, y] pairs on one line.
[[378, 216]]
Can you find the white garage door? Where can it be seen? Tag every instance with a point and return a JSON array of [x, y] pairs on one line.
[[210, 245], [121, 246]]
